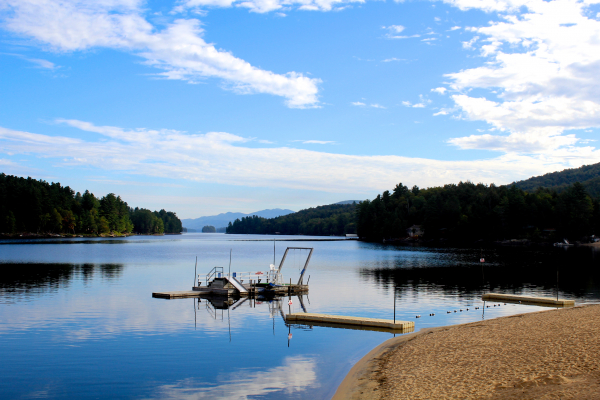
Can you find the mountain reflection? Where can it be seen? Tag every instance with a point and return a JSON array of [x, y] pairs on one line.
[[508, 270], [18, 279]]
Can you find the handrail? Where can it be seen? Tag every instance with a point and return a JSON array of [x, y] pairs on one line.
[[212, 273], [269, 276]]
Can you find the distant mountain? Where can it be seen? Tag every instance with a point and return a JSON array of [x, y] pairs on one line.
[[348, 202], [588, 176], [222, 220], [332, 219]]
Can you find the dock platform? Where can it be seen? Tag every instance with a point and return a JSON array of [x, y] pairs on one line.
[[531, 300], [231, 291], [354, 321], [177, 295]]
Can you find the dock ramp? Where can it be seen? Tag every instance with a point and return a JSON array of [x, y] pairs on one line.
[[236, 284]]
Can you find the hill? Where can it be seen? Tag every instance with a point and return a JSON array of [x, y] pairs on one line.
[[333, 219], [467, 213], [32, 206], [588, 176], [222, 220]]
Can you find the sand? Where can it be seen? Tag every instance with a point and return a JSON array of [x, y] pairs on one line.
[[596, 244], [553, 354]]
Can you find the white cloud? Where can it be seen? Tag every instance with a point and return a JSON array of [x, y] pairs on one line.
[[541, 63], [518, 143], [224, 158], [361, 104], [421, 104], [40, 63], [454, 28], [264, 6], [393, 59], [314, 141], [469, 44], [437, 19], [394, 30], [296, 375], [440, 90], [178, 50]]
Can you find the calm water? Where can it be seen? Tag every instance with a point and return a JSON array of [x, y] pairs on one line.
[[77, 319]]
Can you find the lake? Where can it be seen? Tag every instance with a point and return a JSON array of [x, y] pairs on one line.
[[77, 319]]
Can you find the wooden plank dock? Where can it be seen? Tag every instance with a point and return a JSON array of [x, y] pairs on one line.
[[354, 321], [351, 327], [530, 300], [177, 295]]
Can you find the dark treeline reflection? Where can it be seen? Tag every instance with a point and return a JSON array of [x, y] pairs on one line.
[[507, 270], [24, 279]]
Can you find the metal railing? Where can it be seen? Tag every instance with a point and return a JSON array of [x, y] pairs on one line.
[[216, 272], [272, 276]]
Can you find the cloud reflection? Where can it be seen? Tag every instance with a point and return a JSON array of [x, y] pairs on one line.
[[295, 375]]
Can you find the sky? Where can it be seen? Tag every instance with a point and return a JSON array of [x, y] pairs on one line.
[[208, 106]]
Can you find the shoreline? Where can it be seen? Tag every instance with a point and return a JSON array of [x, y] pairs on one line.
[[30, 235], [532, 355]]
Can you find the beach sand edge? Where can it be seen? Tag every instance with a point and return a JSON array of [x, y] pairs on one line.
[[364, 380]]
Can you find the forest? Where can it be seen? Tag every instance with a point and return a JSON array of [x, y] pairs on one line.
[[470, 212], [463, 212], [334, 219], [29, 205], [587, 175]]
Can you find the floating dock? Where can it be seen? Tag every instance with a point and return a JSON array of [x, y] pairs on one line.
[[351, 327], [246, 284], [177, 295], [403, 326], [513, 298]]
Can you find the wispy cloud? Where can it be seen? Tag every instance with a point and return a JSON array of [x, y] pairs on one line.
[[135, 183], [393, 32], [225, 158], [314, 141], [178, 50], [440, 90], [361, 104], [261, 6], [39, 63], [423, 101], [540, 68]]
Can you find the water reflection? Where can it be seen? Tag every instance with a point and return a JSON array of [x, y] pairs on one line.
[[34, 279], [296, 375], [504, 270], [100, 328]]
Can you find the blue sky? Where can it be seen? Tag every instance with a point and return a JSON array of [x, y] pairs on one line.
[[208, 106]]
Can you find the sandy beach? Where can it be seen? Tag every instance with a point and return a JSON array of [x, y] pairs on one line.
[[552, 354], [596, 244]]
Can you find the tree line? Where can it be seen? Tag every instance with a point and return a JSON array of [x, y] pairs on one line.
[[587, 175], [334, 219], [468, 212], [29, 205]]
